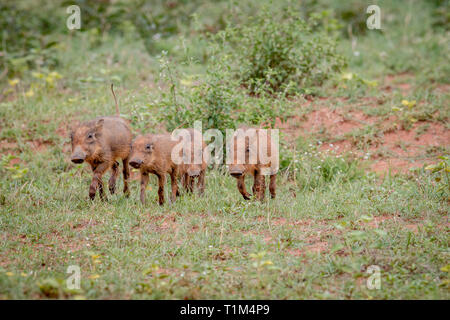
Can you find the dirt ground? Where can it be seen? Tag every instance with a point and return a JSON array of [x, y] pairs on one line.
[[393, 148]]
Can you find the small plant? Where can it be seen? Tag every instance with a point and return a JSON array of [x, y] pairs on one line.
[[409, 113], [441, 170], [258, 260], [16, 170]]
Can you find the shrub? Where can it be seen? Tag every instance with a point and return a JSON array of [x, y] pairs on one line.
[[343, 16], [25, 40], [270, 59], [265, 108], [217, 100], [278, 54], [161, 19], [210, 100], [103, 16]]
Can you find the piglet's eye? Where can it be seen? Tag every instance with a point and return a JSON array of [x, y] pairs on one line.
[[90, 135], [148, 146]]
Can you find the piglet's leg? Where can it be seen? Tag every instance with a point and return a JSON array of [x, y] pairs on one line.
[[255, 184], [144, 182], [174, 185], [191, 184], [113, 178], [187, 182], [126, 176], [241, 187], [201, 182], [273, 185], [259, 186], [184, 180], [161, 183], [97, 180]]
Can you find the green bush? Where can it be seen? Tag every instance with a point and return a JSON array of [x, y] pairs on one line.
[[103, 16], [161, 19], [210, 100], [217, 100], [270, 59], [279, 53], [265, 108], [25, 38], [343, 16]]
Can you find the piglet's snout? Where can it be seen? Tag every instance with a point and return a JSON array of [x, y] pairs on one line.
[[236, 173], [78, 157], [194, 173], [136, 163]]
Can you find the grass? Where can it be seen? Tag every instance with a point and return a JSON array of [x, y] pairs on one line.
[[332, 218], [200, 247]]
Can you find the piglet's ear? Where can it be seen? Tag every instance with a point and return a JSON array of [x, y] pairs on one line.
[[99, 124]]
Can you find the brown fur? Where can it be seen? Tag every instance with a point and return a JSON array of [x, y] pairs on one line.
[[101, 142], [189, 172], [239, 171], [152, 154]]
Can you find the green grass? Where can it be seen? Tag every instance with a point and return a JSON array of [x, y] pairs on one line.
[[331, 220], [200, 247]]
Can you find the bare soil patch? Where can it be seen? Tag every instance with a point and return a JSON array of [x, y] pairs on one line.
[[409, 148], [7, 147], [398, 82], [37, 145], [392, 149], [335, 122], [314, 247], [378, 220]]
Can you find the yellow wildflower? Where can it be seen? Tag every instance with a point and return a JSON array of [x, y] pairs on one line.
[[13, 82]]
